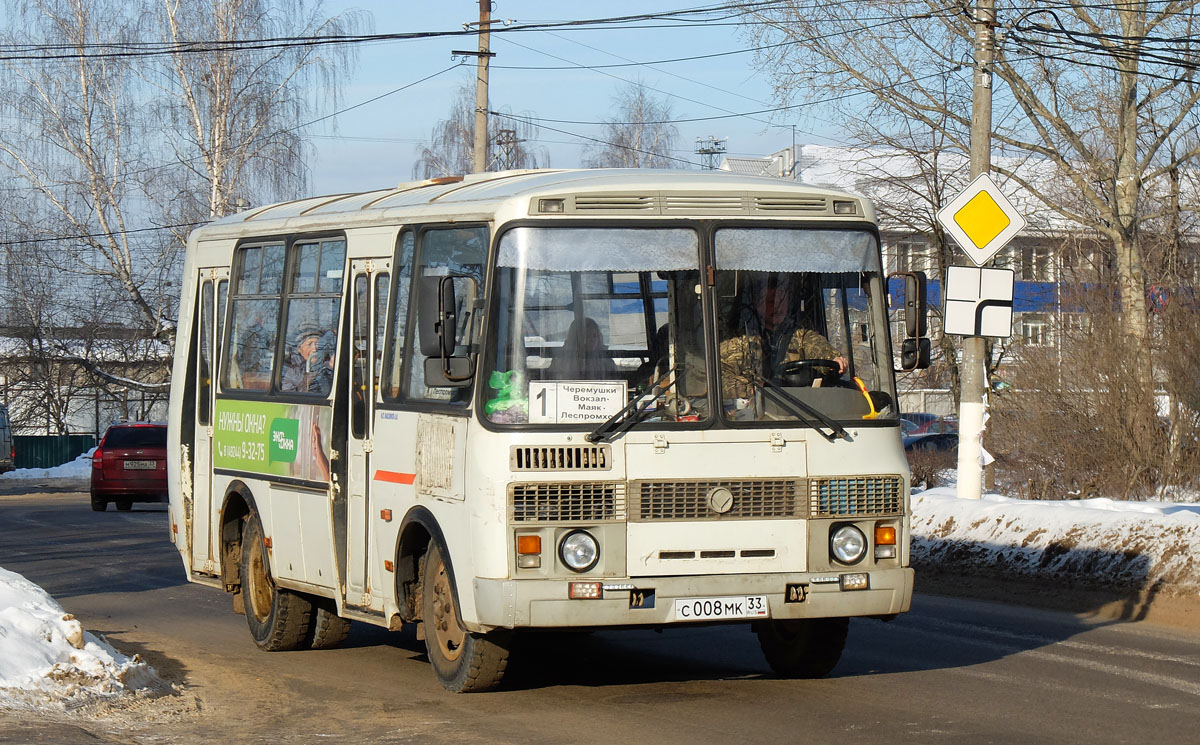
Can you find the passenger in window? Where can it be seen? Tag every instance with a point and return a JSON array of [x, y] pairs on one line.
[[584, 355], [769, 334], [309, 367]]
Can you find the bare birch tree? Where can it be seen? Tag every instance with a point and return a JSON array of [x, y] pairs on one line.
[[639, 135], [75, 146], [118, 145], [1099, 91], [234, 111], [449, 150]]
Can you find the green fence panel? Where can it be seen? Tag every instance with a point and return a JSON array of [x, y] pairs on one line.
[[47, 451]]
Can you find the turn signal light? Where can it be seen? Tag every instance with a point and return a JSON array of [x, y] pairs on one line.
[[529, 544], [885, 535]]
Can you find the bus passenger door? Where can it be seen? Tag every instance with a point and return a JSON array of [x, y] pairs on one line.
[[368, 298], [214, 290]]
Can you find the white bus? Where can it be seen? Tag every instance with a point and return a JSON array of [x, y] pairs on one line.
[[545, 400]]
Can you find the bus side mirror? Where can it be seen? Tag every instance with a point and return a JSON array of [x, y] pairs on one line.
[[914, 354], [915, 349], [446, 318]]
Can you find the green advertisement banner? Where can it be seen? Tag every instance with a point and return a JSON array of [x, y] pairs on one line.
[[273, 438]]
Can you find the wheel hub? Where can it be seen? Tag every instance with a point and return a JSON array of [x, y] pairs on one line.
[[446, 630], [261, 590]]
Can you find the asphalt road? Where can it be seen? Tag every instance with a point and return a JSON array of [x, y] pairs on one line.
[[951, 671]]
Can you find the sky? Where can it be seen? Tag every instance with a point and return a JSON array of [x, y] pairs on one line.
[[374, 145]]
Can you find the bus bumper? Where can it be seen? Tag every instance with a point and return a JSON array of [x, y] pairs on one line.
[[650, 601]]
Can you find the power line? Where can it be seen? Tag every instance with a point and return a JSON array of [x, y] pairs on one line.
[[592, 139], [151, 169], [788, 107], [89, 236], [109, 50]]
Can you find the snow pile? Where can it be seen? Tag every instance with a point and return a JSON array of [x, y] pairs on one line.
[[80, 468], [1140, 545], [47, 657]]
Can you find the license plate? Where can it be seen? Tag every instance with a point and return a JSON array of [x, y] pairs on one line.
[[141, 465], [708, 609]]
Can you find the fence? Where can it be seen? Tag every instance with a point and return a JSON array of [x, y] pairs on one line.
[[47, 451]]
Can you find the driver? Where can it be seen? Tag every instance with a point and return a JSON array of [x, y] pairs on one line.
[[767, 339]]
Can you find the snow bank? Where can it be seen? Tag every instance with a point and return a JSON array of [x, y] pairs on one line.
[[80, 468], [1139, 545], [47, 658]]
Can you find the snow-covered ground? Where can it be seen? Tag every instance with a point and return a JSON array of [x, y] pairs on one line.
[[1096, 542], [80, 468], [47, 659]]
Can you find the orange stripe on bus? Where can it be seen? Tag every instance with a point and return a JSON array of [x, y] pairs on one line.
[[392, 477]]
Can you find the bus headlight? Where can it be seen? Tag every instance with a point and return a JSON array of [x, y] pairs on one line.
[[579, 551], [848, 544]]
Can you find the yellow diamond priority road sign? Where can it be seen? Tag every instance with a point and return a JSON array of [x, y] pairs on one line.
[[981, 219]]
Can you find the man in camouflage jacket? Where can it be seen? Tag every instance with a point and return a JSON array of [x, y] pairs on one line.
[[764, 346]]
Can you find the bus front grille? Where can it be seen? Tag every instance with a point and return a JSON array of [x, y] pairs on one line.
[[690, 500], [560, 458], [857, 496], [567, 502]]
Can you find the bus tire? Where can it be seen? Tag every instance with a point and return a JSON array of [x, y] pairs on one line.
[[463, 662], [99, 505], [802, 647], [328, 628], [278, 619]]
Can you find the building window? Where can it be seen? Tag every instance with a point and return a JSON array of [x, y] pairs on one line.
[[1036, 264], [913, 255], [1075, 324], [1034, 330]]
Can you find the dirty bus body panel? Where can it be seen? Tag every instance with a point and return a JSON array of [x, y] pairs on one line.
[[543, 399]]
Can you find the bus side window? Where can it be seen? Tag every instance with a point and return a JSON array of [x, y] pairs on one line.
[[445, 252], [204, 387], [255, 305], [393, 359], [222, 301], [380, 318], [359, 350], [313, 294]]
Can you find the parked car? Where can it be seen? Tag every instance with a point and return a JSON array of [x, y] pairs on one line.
[[130, 465], [8, 453], [929, 423], [931, 441]]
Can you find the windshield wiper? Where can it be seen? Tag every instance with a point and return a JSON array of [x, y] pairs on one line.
[[630, 415], [800, 408]]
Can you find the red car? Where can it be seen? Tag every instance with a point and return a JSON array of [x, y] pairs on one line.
[[130, 465]]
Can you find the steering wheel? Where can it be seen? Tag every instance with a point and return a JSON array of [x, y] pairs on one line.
[[809, 370]]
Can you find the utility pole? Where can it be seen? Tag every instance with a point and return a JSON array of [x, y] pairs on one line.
[[972, 406], [479, 159]]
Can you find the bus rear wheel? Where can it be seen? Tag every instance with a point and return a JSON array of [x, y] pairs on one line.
[[802, 647], [464, 662], [278, 619], [328, 628]]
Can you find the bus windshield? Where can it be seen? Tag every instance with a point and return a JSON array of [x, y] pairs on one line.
[[797, 321], [589, 318]]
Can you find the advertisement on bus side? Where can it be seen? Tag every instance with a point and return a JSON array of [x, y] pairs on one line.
[[275, 439]]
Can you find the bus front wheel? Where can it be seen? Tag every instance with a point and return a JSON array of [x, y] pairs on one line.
[[279, 619], [463, 662], [803, 647]]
